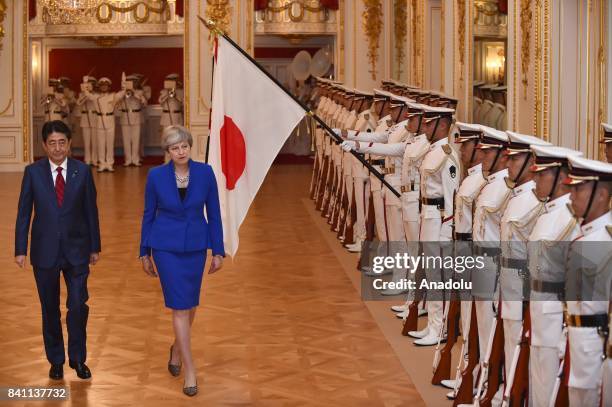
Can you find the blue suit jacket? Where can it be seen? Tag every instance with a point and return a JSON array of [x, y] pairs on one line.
[[176, 225], [73, 228]]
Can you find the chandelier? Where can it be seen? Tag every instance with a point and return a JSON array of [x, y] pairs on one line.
[[68, 11]]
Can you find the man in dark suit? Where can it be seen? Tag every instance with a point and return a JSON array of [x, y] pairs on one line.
[[65, 238]]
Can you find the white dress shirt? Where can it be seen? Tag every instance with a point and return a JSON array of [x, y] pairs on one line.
[[54, 166]]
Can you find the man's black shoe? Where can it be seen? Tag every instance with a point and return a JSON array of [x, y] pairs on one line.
[[56, 372], [81, 369]]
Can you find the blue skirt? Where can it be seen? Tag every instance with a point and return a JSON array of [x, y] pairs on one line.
[[180, 275]]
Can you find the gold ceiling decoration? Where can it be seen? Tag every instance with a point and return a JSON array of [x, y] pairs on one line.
[[106, 42], [220, 12], [141, 11], [296, 9], [400, 13], [526, 25], [372, 25], [3, 8], [68, 11]]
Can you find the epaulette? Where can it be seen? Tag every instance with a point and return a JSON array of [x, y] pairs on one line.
[[447, 149]]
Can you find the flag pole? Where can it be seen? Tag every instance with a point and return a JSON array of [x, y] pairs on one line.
[[212, 27], [214, 62]]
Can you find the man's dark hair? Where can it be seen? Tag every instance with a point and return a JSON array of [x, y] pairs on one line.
[[55, 126]]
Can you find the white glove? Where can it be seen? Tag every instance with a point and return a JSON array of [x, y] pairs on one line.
[[338, 132], [348, 145]]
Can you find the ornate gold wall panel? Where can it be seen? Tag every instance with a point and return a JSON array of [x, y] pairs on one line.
[[461, 32], [526, 26], [220, 12], [3, 8], [400, 31], [372, 20]]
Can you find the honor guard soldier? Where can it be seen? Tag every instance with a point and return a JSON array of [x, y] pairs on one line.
[[440, 174], [519, 217], [88, 120], [393, 151], [54, 103], [589, 267], [490, 205], [607, 140], [468, 136], [366, 123], [105, 102], [171, 100], [132, 102], [379, 135], [547, 254], [70, 98]]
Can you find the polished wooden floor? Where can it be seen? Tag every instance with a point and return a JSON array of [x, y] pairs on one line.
[[282, 325]]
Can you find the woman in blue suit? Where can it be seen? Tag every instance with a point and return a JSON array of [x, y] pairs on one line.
[[176, 235]]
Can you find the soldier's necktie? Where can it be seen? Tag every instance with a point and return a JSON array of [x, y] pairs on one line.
[[60, 183]]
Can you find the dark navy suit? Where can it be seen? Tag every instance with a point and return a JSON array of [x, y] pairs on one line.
[[176, 232], [62, 240]]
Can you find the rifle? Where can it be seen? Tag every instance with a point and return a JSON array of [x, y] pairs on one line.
[[343, 211], [338, 197], [328, 199], [322, 183], [560, 396], [370, 219], [492, 368], [516, 391], [315, 172], [442, 358], [465, 393], [412, 320], [349, 221]]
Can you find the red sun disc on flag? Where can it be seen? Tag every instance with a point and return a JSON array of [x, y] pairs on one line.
[[233, 152]]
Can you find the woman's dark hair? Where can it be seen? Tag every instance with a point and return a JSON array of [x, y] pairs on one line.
[[55, 126]]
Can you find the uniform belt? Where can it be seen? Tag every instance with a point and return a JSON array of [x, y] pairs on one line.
[[389, 170], [552, 287], [588, 321], [487, 251], [408, 188], [510, 263], [104, 114], [377, 162], [466, 237], [439, 202], [83, 111], [174, 111], [131, 111]]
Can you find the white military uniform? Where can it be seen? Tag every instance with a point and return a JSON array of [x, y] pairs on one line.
[[55, 108], [105, 107], [379, 135], [130, 114], [586, 343], [366, 123], [88, 123], [172, 108], [518, 220], [547, 255], [592, 251], [490, 205], [440, 176]]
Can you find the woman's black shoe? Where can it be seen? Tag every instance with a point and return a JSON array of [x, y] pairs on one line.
[[174, 370], [191, 391]]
